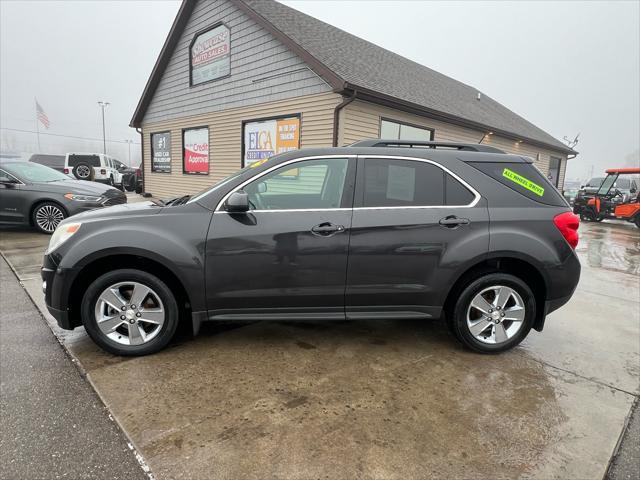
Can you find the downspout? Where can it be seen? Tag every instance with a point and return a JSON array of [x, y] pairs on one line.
[[336, 116], [144, 177]]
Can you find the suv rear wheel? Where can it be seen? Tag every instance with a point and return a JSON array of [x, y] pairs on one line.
[[493, 313], [130, 312]]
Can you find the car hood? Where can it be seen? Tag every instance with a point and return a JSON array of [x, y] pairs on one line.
[[118, 211], [79, 187]]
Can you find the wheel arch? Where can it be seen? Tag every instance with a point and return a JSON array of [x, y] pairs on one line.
[[39, 202], [100, 264], [513, 264]]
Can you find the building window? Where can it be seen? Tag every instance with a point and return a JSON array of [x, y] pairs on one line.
[[269, 136], [195, 151], [161, 152], [210, 55], [554, 170], [390, 129]]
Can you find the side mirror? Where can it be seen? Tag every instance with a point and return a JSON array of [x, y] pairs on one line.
[[633, 190], [581, 187], [238, 202], [7, 182]]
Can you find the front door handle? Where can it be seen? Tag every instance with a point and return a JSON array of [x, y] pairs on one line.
[[327, 229], [452, 221]]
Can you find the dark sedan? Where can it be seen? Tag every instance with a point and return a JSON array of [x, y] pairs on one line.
[[32, 194]]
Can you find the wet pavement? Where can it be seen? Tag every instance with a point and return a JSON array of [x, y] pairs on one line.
[[382, 399]]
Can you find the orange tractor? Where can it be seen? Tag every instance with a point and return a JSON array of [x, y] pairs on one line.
[[607, 200]]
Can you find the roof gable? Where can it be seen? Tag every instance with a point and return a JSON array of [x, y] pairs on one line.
[[349, 63]]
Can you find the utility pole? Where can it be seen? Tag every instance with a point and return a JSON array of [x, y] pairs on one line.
[[129, 142], [103, 105]]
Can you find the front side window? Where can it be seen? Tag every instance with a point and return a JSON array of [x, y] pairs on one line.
[[308, 184], [408, 183], [390, 129]]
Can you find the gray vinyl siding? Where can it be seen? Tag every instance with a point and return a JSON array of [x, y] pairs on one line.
[[361, 120], [262, 69]]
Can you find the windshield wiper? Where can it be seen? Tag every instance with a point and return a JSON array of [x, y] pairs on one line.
[[178, 200]]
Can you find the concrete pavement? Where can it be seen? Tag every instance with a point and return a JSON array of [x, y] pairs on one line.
[[382, 399], [53, 423]]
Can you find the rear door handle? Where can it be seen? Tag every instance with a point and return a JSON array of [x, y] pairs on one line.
[[452, 221], [326, 229]]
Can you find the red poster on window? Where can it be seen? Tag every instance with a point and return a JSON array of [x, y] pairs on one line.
[[196, 151]]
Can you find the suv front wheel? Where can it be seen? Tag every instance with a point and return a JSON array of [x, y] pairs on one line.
[[130, 312], [493, 313]]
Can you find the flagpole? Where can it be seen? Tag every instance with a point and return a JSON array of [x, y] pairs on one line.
[[37, 126]]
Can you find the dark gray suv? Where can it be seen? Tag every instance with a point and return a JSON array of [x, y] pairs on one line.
[[381, 229]]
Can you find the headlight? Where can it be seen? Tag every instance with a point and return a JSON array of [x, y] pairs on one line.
[[82, 198], [63, 233]]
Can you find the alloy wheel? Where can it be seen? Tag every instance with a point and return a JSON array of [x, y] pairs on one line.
[[48, 217], [129, 313], [496, 314]]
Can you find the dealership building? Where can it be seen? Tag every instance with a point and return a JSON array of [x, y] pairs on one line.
[[240, 80]]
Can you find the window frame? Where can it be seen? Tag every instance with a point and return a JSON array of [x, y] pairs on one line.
[[432, 131], [155, 170], [200, 127], [359, 193], [347, 192], [266, 119], [557, 179], [193, 41]]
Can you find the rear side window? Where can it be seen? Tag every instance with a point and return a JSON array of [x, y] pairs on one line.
[[93, 160], [406, 183], [525, 179]]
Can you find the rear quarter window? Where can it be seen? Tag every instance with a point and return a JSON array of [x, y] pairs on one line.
[[93, 160], [523, 178]]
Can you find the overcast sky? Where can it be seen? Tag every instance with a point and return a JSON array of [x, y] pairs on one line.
[[569, 67]]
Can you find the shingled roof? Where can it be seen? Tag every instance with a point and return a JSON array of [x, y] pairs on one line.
[[350, 64]]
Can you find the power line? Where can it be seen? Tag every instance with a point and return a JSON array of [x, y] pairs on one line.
[[65, 136]]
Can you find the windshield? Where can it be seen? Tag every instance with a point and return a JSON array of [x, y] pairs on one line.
[[217, 185], [595, 182], [607, 184], [623, 183], [28, 172]]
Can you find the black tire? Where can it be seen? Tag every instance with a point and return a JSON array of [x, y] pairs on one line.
[[158, 287], [129, 183], [111, 182], [46, 216], [83, 171], [636, 220], [458, 317]]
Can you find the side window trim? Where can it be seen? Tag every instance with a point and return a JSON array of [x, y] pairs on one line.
[[359, 201], [18, 181], [347, 186]]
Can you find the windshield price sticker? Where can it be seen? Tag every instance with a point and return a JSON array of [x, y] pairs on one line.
[[523, 182]]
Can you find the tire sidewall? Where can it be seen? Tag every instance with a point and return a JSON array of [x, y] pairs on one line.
[[476, 286], [38, 207], [75, 171], [159, 287]]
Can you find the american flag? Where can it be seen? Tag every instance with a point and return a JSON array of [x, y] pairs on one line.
[[42, 117]]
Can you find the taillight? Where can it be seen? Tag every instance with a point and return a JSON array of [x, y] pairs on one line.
[[66, 171], [103, 171], [568, 224], [138, 172]]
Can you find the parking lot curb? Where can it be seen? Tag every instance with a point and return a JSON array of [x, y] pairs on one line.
[[84, 374]]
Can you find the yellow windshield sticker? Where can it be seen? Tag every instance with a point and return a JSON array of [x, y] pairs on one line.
[[257, 163], [523, 182]]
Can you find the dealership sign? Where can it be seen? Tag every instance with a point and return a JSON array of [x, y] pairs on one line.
[[161, 152], [196, 151], [266, 138], [210, 55]]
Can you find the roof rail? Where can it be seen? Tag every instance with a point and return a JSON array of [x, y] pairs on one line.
[[469, 147]]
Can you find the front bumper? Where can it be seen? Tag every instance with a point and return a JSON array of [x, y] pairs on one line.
[[54, 285]]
